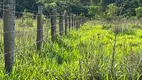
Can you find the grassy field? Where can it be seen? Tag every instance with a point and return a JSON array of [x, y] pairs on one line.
[[97, 51]]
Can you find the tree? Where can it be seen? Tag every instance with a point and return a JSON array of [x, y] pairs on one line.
[[95, 2], [112, 11], [30, 5], [85, 2], [95, 11]]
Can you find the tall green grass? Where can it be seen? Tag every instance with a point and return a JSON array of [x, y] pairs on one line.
[[85, 54]]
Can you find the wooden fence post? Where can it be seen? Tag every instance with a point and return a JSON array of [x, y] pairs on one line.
[[77, 22], [81, 20], [53, 25], [72, 21], [66, 23], [9, 34], [39, 28], [61, 24], [69, 23]]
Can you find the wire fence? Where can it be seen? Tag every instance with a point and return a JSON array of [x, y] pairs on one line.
[[26, 37]]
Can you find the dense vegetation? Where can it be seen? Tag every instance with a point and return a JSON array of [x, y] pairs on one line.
[[92, 8], [97, 51], [108, 48]]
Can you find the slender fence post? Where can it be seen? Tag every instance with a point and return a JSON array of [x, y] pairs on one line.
[[61, 24], [66, 23], [53, 25], [72, 22], [39, 28], [81, 20], [9, 35], [77, 22], [69, 22]]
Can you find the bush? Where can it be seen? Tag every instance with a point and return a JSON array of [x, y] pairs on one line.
[[26, 20], [95, 11], [138, 12], [112, 11]]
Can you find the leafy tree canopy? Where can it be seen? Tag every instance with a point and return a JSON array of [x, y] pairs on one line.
[[127, 8]]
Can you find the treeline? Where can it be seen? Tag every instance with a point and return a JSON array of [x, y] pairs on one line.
[[114, 8], [91, 8]]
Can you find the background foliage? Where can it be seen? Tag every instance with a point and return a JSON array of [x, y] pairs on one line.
[[91, 8]]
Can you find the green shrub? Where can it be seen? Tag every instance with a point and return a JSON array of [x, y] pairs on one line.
[[95, 11], [138, 12], [26, 20], [112, 11]]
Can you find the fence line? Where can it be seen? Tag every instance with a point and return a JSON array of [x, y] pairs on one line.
[[27, 31], [66, 22], [27, 54]]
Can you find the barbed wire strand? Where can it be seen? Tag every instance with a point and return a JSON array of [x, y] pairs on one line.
[[28, 61], [34, 43]]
